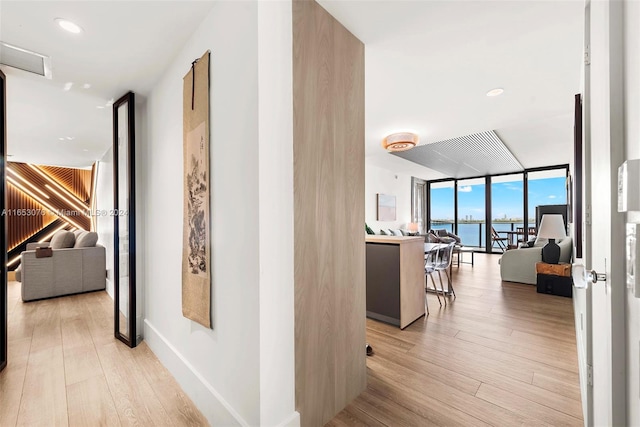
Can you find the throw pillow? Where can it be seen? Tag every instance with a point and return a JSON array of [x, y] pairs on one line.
[[78, 232], [441, 232], [87, 240], [62, 239], [368, 229], [396, 232], [431, 238], [382, 232]]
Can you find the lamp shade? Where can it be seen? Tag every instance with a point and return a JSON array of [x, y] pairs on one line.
[[413, 227], [552, 227]]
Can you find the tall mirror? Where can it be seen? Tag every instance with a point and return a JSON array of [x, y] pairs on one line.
[[124, 219]]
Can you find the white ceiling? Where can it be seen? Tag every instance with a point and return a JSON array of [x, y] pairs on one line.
[[429, 65], [125, 46]]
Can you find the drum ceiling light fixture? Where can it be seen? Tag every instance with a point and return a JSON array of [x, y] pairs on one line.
[[400, 141]]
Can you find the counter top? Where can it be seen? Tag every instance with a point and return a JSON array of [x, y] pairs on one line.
[[394, 240]]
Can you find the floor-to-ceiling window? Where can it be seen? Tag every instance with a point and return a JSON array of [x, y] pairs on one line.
[[547, 187], [442, 205], [507, 211], [464, 206], [471, 211]]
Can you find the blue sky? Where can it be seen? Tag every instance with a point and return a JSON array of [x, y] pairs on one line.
[[506, 198]]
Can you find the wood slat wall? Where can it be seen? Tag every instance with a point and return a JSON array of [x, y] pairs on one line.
[[21, 227], [328, 108], [77, 181]]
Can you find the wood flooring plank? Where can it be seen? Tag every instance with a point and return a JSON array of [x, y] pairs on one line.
[[447, 395], [45, 401], [444, 374], [12, 381], [432, 410], [508, 401], [91, 404], [81, 364], [569, 389], [134, 398], [177, 405]]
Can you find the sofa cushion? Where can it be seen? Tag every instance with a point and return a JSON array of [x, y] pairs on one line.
[[88, 239], [62, 239], [78, 232]]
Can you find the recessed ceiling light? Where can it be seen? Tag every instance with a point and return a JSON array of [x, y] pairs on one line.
[[61, 138], [86, 85], [85, 150], [67, 86], [71, 138], [100, 107], [495, 92], [68, 26]]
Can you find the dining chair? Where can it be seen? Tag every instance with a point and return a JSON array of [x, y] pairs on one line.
[[430, 263], [443, 264]]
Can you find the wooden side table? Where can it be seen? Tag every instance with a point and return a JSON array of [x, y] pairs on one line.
[[554, 279]]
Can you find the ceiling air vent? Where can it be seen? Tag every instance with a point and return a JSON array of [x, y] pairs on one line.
[[24, 59]]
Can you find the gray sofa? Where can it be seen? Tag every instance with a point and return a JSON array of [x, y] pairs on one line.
[[67, 271], [519, 265]]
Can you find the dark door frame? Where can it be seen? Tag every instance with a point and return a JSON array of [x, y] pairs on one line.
[[132, 338], [3, 233]]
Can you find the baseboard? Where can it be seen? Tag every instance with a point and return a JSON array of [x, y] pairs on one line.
[[292, 421], [212, 405]]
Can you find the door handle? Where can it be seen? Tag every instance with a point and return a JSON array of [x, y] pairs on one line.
[[583, 277]]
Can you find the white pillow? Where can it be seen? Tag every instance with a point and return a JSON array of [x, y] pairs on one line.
[[396, 232]]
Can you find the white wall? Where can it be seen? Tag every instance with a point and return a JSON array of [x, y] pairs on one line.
[[380, 180], [631, 36], [275, 164], [104, 202], [241, 372]]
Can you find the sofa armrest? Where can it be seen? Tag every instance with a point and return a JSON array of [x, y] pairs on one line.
[[519, 265], [32, 246]]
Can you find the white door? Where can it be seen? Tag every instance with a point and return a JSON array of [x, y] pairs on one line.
[[600, 309]]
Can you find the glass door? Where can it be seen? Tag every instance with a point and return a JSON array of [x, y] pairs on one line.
[[507, 213], [471, 212], [124, 220]]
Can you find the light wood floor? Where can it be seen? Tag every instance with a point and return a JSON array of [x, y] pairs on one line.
[[500, 354], [66, 368]]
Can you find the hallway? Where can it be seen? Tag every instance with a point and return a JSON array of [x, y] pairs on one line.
[[66, 368]]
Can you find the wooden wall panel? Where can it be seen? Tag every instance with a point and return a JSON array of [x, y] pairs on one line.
[[19, 226], [328, 105], [77, 181]]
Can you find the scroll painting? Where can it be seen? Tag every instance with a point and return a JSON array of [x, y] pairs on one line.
[[196, 232]]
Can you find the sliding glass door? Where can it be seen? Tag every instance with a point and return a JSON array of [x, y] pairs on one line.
[[507, 212], [471, 211]]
